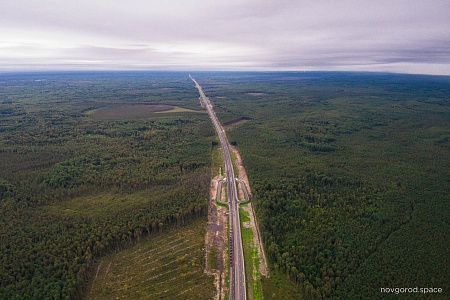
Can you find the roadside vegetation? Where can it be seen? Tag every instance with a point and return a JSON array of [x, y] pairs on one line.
[[77, 185], [252, 274], [349, 173]]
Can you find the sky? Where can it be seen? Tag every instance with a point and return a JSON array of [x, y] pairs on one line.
[[402, 36]]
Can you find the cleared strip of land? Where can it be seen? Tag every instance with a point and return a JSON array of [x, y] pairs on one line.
[[135, 111], [164, 266]]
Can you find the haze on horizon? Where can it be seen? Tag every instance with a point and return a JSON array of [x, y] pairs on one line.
[[400, 36]]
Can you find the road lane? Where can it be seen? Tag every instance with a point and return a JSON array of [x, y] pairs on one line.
[[237, 271]]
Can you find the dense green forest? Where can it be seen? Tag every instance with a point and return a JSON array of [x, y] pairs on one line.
[[349, 171], [77, 183], [350, 176]]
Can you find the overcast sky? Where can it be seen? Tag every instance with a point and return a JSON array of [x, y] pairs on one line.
[[408, 36]]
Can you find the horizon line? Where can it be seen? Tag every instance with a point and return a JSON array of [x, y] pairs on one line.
[[95, 70]]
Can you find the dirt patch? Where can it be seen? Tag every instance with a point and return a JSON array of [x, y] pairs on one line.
[[215, 227], [215, 242], [237, 121], [130, 111], [242, 175], [256, 94]]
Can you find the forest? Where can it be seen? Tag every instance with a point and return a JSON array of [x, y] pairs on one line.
[[350, 177], [78, 182], [349, 173]]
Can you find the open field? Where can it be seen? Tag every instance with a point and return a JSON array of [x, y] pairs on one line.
[[177, 109], [135, 111], [163, 266], [127, 111]]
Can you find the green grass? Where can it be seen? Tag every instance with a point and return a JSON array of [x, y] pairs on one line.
[[221, 204], [163, 266], [234, 160], [253, 277], [244, 216], [256, 286], [212, 259], [279, 287], [217, 161]]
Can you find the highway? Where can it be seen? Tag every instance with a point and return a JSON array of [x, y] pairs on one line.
[[237, 270]]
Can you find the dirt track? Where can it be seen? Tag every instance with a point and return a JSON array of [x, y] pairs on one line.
[[215, 240]]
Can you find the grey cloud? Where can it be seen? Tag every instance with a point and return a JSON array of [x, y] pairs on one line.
[[245, 34]]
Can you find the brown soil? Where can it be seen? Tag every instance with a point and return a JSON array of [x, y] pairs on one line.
[[215, 239], [236, 121]]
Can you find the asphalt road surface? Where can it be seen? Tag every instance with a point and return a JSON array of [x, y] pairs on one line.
[[237, 271]]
